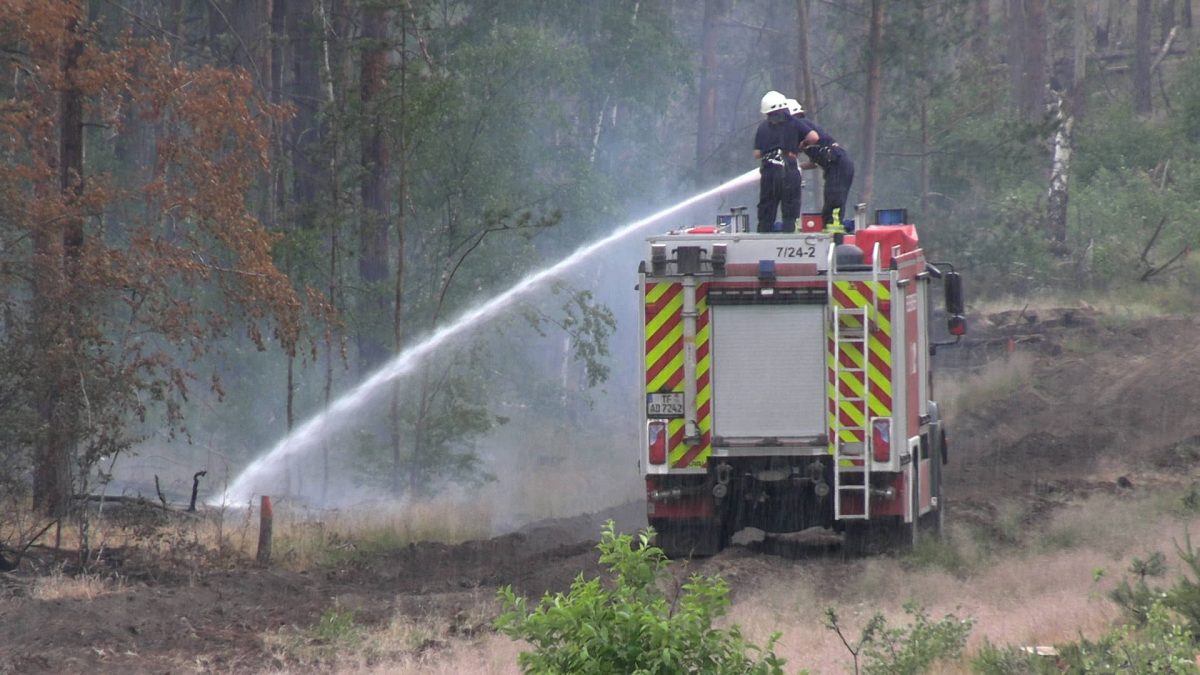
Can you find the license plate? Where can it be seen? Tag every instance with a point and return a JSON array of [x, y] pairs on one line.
[[664, 404]]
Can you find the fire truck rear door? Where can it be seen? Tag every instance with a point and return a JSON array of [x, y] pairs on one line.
[[768, 366]]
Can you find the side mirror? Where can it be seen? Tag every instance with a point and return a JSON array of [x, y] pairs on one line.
[[954, 293]]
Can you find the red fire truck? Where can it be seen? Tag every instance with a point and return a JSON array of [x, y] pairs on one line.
[[789, 384]]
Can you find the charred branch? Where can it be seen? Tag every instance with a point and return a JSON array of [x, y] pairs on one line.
[[158, 490], [195, 488], [7, 565]]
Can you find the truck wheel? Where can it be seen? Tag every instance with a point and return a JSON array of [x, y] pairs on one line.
[[693, 538]]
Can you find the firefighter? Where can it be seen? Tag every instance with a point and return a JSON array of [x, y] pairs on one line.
[[824, 152], [775, 144], [795, 182]]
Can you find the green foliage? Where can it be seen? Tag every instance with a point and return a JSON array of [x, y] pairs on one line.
[[1137, 598], [1162, 645], [1182, 598], [893, 650], [630, 624], [1190, 501], [588, 325], [337, 626], [941, 553], [1160, 636], [992, 660]]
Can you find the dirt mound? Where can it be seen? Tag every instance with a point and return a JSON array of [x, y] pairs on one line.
[[1075, 395]]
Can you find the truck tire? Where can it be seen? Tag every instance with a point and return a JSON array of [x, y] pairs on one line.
[[681, 539]]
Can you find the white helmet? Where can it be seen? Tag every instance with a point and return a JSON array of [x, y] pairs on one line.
[[772, 101], [794, 106]]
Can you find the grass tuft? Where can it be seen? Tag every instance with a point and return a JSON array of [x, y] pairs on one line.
[[59, 586]]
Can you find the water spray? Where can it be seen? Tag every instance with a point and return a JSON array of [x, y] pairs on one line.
[[248, 483]]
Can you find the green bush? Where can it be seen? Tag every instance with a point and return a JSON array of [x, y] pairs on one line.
[[1182, 597], [993, 660], [1163, 645], [337, 627], [630, 624], [904, 650], [1160, 636]]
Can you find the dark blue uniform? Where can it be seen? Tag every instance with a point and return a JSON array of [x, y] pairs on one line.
[[838, 169], [777, 139], [792, 170]]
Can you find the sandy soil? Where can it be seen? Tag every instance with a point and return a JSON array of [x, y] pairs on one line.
[[1063, 421]]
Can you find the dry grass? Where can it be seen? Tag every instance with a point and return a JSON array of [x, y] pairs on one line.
[[59, 586], [995, 382], [304, 538], [433, 644], [1039, 595], [485, 655]]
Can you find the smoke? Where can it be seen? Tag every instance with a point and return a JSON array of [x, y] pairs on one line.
[[265, 472]]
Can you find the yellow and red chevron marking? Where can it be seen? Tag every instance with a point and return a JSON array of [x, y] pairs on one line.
[[664, 366], [847, 423]]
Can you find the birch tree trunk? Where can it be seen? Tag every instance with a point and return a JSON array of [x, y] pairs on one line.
[[1060, 169]]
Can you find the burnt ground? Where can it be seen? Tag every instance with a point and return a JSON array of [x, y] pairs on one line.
[[1081, 403]]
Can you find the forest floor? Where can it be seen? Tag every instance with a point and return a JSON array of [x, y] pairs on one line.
[[1074, 439]]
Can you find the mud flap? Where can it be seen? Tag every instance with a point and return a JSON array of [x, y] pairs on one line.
[[885, 535]]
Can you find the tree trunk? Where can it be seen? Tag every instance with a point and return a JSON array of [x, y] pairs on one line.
[[1103, 24], [925, 158], [331, 51], [307, 165], [706, 127], [805, 83], [250, 21], [982, 30], [1166, 17], [398, 302], [58, 245], [1027, 69], [1016, 26], [1142, 103], [1036, 73], [376, 172], [1077, 100], [874, 93]]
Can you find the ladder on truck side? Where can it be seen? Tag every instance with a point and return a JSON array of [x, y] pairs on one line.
[[851, 460]]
